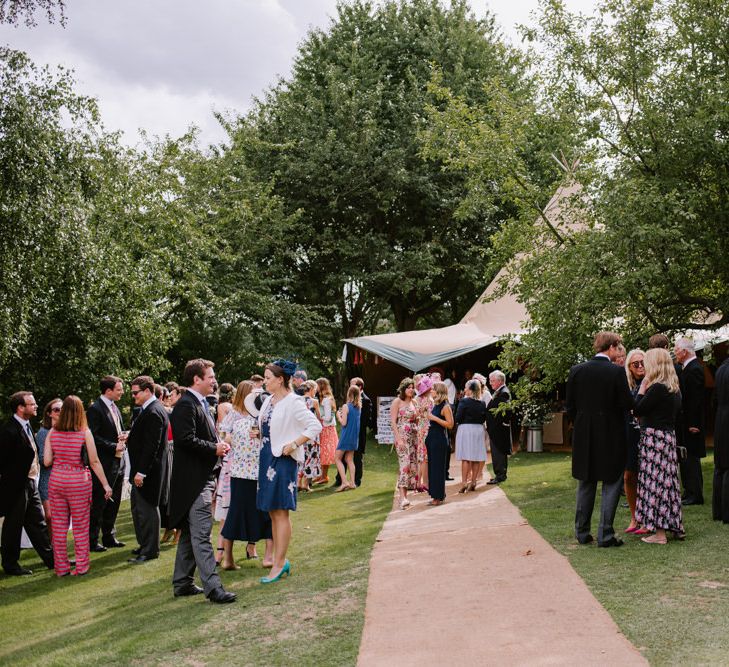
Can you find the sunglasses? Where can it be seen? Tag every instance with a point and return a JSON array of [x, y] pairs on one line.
[[637, 364], [137, 391], [55, 409]]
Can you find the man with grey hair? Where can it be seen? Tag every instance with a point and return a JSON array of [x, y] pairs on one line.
[[499, 427], [691, 432]]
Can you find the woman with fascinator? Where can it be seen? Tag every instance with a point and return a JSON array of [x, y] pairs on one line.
[[285, 426]]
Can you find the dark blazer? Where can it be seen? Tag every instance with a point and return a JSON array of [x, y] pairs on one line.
[[692, 408], [721, 425], [16, 457], [105, 435], [194, 455], [147, 446], [471, 411], [499, 426], [597, 397], [365, 417]]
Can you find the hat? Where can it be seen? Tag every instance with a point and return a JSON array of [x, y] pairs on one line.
[[252, 403], [425, 384]]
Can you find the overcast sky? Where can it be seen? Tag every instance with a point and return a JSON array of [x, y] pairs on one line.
[[163, 65]]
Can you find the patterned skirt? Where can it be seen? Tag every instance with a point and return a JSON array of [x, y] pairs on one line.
[[328, 441], [311, 465], [659, 493]]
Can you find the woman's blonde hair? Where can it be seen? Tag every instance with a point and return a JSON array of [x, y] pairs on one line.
[[325, 391], [354, 396], [440, 393], [659, 369], [72, 417], [628, 360], [241, 391]]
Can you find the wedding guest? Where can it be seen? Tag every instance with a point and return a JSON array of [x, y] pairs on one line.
[[298, 381], [441, 419], [620, 358], [471, 435], [720, 496], [328, 439], [310, 469], [245, 522], [423, 403], [658, 507], [257, 381], [635, 372], [174, 392], [50, 417], [285, 426], [486, 399], [499, 426], [226, 393], [349, 418], [69, 487], [365, 418], [404, 422]]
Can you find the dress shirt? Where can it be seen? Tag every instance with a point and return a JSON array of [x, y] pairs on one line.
[[34, 471]]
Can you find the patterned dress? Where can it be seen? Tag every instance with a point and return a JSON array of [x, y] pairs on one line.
[[407, 451], [222, 488], [328, 437], [311, 467], [423, 406], [276, 474], [69, 492]]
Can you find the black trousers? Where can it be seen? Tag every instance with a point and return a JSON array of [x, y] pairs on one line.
[[103, 512], [720, 496], [26, 512], [500, 463], [693, 479]]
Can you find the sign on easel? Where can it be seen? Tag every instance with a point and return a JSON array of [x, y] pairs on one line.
[[384, 436]]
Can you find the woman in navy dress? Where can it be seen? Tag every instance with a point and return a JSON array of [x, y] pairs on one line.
[[437, 442], [285, 425], [349, 416]]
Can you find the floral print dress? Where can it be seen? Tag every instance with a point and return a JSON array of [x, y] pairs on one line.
[[407, 425], [423, 406]]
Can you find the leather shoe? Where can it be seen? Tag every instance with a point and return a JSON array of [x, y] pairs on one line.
[[141, 559], [98, 548], [691, 501], [612, 542], [113, 544], [586, 540], [493, 480], [18, 571], [221, 596], [191, 589], [137, 551]]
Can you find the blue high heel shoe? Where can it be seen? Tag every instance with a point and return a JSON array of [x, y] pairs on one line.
[[285, 570]]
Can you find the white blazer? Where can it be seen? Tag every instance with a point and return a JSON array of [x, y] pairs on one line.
[[290, 420]]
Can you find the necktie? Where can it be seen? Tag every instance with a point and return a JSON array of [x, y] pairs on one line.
[[34, 468], [115, 419]]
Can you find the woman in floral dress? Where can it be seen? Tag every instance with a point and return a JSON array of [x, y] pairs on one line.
[[424, 404], [404, 419], [658, 506], [329, 438], [310, 469]]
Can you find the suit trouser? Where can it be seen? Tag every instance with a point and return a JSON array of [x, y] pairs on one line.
[[194, 548], [499, 461], [608, 505], [146, 518], [720, 495], [693, 478], [103, 512], [26, 512]]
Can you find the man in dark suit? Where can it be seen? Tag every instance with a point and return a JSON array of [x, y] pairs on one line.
[[597, 397], [20, 502], [107, 427], [147, 446], [499, 427], [692, 421], [196, 460], [720, 496]]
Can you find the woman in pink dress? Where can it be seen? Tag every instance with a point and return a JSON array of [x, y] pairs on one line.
[[69, 488], [328, 438], [423, 402], [404, 421]]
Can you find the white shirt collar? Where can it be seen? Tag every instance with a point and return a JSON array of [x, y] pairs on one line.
[[148, 402], [688, 361], [107, 402], [198, 396], [602, 354], [23, 422]]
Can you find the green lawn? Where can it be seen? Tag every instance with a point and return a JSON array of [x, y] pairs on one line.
[[126, 614], [671, 601]]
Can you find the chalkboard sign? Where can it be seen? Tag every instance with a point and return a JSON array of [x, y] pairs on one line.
[[384, 436]]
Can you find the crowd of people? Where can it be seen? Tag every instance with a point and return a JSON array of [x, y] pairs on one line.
[[639, 427], [193, 453]]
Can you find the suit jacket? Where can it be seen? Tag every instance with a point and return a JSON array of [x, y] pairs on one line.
[[147, 446], [499, 426], [16, 457], [721, 425], [194, 457], [365, 417], [597, 397], [103, 428], [692, 408]]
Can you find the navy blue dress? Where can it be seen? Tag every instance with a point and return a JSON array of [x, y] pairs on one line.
[[349, 437], [436, 442], [276, 474]]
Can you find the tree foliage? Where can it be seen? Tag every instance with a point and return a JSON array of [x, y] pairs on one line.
[[17, 11]]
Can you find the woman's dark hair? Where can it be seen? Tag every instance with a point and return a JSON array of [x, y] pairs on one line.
[[72, 417], [47, 412], [172, 386], [226, 392], [404, 384], [279, 372]]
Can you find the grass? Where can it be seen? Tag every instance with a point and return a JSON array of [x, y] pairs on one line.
[[126, 614], [672, 602]]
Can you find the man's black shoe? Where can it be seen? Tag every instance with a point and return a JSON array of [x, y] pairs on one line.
[[691, 501], [137, 551], [113, 544], [612, 542], [221, 596], [188, 590], [587, 540], [141, 559], [493, 480], [18, 571], [97, 548]]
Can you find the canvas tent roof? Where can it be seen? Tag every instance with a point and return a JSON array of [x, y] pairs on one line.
[[484, 324]]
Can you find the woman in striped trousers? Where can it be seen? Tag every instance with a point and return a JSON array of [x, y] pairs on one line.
[[69, 488]]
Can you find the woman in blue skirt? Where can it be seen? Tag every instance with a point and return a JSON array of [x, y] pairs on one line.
[[285, 426], [349, 415]]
